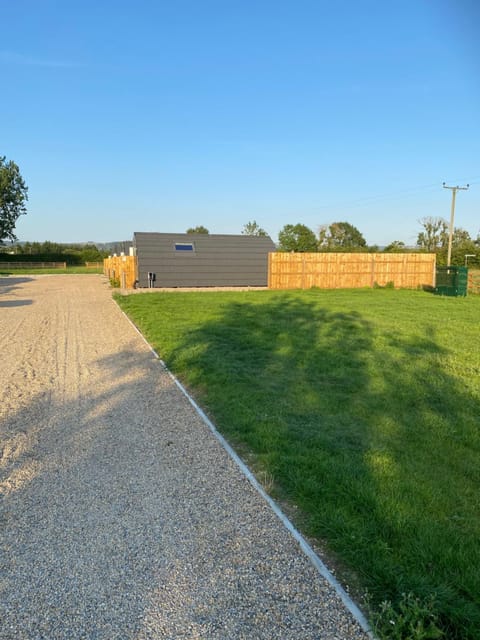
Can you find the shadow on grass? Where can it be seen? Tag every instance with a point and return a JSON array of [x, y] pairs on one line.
[[362, 428]]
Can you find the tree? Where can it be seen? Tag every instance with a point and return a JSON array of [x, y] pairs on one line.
[[434, 238], [199, 229], [341, 236], [253, 229], [460, 236], [297, 238], [397, 246], [462, 245], [434, 235], [13, 195]]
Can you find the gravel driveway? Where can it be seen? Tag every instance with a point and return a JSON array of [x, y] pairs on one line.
[[122, 516]]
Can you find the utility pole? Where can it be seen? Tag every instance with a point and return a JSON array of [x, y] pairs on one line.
[[452, 217]]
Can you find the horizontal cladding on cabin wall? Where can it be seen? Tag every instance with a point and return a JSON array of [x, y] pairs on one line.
[[200, 240], [170, 249], [213, 278], [185, 275], [192, 260], [199, 277], [165, 238], [217, 276], [194, 281], [205, 267], [215, 261], [206, 263], [206, 280], [157, 238], [162, 246], [199, 251]]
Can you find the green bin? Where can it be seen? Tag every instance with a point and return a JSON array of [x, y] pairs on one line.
[[451, 281]]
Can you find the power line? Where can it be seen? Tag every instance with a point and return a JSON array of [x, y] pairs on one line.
[[367, 200], [395, 195], [364, 201]]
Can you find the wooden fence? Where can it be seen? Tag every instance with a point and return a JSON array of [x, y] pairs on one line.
[[122, 270], [474, 281], [350, 270]]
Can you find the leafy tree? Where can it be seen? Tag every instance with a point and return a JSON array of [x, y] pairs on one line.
[[397, 246], [434, 235], [460, 236], [341, 236], [460, 251], [253, 229], [13, 195], [297, 237], [91, 253], [199, 229], [462, 245], [434, 238]]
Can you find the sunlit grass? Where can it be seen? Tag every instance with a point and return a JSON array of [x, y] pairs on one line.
[[362, 408], [45, 271]]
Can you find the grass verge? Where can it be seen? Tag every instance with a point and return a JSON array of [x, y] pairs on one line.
[[362, 408], [41, 271]]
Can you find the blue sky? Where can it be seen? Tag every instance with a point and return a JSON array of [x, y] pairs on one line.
[[159, 116]]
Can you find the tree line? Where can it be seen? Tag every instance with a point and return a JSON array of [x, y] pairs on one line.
[[72, 254], [337, 236], [344, 237]]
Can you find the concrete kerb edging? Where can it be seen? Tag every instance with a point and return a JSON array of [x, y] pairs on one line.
[[305, 547]]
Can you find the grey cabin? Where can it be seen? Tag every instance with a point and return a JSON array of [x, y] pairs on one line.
[[201, 260]]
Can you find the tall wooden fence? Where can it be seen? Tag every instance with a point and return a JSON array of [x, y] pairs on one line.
[[350, 270], [122, 270], [474, 280]]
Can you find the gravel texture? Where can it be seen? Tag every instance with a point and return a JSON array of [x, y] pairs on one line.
[[121, 516]]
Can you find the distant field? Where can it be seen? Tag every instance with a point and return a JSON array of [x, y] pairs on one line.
[[362, 408], [39, 271]]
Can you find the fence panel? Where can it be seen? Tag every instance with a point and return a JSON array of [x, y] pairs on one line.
[[350, 270], [122, 270], [474, 281]]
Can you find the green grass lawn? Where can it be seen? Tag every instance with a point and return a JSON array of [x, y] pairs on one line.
[[363, 409], [43, 271]]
